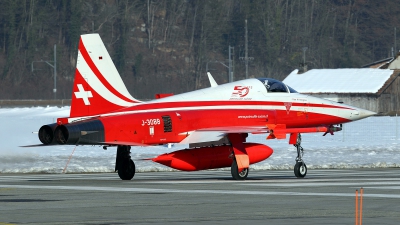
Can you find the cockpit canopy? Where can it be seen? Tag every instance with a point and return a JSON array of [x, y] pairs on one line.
[[273, 85]]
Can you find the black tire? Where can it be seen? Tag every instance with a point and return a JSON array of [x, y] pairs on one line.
[[300, 170], [235, 172], [127, 170]]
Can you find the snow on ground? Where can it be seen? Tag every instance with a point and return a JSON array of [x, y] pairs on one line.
[[372, 142]]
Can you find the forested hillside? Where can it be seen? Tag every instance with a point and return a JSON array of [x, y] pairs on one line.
[[163, 46]]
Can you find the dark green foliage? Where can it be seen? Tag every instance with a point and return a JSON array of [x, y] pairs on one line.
[[136, 67], [73, 18], [164, 46], [9, 35], [122, 26]]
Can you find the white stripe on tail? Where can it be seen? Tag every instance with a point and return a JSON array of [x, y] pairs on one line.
[[98, 87]]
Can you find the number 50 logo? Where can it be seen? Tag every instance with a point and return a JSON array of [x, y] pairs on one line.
[[240, 91]]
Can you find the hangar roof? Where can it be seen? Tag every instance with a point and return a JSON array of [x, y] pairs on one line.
[[364, 80]]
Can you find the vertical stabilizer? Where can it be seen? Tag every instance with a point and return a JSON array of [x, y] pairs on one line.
[[98, 87]]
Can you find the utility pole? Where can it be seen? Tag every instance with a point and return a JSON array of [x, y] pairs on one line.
[[304, 59], [148, 22], [246, 55], [54, 70], [395, 47], [231, 64], [304, 55]]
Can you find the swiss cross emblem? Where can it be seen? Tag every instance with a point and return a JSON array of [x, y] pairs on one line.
[[85, 95], [288, 105]]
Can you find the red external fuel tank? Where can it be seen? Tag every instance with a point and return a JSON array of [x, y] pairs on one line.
[[211, 157]]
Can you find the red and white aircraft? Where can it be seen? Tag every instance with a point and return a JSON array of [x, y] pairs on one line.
[[214, 121]]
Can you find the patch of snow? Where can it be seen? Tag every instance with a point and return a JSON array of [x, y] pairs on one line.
[[369, 143]]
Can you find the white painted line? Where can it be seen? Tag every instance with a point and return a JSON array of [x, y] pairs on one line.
[[385, 187], [205, 178], [154, 190], [322, 184], [279, 182]]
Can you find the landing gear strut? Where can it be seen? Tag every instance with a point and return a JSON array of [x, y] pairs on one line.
[[124, 164], [239, 155], [300, 169]]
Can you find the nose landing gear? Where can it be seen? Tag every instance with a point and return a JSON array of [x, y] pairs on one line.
[[300, 168]]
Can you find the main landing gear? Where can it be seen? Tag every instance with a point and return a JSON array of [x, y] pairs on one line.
[[239, 155], [300, 169], [235, 172], [124, 164]]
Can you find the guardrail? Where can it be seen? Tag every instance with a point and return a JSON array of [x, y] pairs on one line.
[[34, 103]]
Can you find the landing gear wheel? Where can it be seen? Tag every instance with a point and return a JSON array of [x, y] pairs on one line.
[[235, 172], [124, 164], [300, 169], [127, 170]]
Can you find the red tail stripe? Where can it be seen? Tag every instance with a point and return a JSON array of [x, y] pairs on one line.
[[98, 74]]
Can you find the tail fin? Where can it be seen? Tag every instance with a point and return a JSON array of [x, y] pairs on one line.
[[98, 87]]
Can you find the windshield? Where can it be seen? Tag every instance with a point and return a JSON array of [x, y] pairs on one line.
[[291, 89], [275, 86]]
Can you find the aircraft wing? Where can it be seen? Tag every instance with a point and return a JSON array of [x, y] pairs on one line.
[[276, 131], [237, 129], [216, 133]]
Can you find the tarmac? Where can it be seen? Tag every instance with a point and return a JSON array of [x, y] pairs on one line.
[[206, 197]]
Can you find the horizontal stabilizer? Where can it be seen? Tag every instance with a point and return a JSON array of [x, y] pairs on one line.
[[129, 143], [37, 145]]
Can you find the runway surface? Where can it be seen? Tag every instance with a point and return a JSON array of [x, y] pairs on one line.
[[208, 197]]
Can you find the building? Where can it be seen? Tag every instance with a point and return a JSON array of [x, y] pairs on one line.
[[374, 87]]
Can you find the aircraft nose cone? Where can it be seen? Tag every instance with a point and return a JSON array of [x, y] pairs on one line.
[[363, 113], [366, 113]]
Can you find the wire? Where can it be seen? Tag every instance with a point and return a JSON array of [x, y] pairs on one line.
[[65, 168]]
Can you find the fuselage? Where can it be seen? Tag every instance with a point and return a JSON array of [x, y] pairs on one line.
[[214, 121], [245, 106]]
